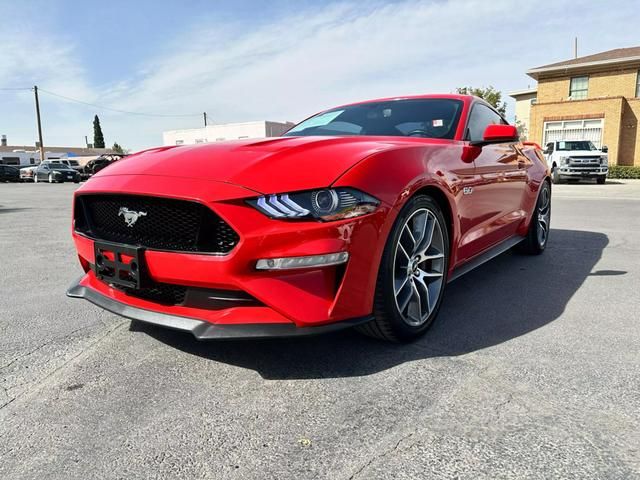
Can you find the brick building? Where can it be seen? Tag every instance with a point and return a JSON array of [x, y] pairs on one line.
[[596, 97]]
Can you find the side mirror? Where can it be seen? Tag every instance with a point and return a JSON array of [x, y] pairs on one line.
[[499, 134], [605, 149]]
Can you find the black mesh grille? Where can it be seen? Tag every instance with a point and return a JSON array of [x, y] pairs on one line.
[[162, 293], [169, 294], [168, 224]]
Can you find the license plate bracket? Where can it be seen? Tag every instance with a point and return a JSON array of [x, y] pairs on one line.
[[120, 265]]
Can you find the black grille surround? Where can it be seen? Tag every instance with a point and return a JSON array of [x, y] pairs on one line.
[[168, 224]]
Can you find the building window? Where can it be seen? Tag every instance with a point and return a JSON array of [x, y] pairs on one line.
[[579, 88], [638, 84]]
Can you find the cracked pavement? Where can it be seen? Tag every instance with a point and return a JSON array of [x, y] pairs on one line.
[[531, 371]]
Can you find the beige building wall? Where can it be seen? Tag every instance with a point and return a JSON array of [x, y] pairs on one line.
[[523, 111], [601, 85], [610, 109], [629, 133]]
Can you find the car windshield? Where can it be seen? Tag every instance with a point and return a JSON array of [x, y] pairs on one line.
[[74, 163], [576, 145], [58, 166], [425, 117]]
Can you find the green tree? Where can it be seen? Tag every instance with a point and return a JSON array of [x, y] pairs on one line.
[[117, 148], [489, 94], [98, 137], [522, 130]]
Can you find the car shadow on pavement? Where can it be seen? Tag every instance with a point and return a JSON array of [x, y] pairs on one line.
[[11, 210], [505, 298]]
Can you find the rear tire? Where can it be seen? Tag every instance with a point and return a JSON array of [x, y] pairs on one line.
[[412, 274], [538, 235]]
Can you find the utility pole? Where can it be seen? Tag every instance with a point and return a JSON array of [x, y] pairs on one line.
[[575, 48], [204, 114], [35, 91]]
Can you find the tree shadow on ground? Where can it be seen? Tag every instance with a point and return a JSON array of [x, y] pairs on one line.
[[507, 297]]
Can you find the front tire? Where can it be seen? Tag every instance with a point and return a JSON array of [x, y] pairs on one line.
[[555, 176], [413, 273], [538, 235], [51, 178], [601, 180], [35, 178]]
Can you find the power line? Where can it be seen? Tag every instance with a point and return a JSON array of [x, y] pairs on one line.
[[12, 89], [117, 110]]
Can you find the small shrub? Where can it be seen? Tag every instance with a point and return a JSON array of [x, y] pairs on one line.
[[619, 171]]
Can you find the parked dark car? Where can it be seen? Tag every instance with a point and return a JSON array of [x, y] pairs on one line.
[[94, 166], [9, 174], [55, 173]]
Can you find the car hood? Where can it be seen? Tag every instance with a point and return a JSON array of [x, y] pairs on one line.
[[265, 166]]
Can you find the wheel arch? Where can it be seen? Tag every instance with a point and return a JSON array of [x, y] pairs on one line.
[[449, 213], [443, 202]]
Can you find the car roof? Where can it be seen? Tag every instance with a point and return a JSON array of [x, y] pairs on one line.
[[448, 96]]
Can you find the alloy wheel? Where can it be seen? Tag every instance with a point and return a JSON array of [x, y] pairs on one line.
[[544, 214], [418, 267]]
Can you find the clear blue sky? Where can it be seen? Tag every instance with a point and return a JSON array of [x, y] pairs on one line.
[[280, 60]]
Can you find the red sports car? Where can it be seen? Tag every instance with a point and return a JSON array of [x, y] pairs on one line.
[[358, 216]]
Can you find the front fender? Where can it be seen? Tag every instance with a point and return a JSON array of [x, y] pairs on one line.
[[395, 176]]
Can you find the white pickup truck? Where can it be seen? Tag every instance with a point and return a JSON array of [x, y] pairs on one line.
[[576, 159]]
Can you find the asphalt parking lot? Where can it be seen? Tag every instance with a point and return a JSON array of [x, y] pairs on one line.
[[532, 370]]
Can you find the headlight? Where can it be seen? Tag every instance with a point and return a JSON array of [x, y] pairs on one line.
[[564, 160], [603, 160], [324, 204]]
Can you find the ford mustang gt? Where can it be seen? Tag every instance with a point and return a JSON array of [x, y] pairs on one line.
[[358, 216]]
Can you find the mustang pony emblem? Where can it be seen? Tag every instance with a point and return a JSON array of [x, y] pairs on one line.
[[130, 216]]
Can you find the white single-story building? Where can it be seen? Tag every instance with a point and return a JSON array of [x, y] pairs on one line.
[[225, 131], [25, 155]]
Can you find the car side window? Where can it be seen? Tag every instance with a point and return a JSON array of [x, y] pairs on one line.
[[481, 116]]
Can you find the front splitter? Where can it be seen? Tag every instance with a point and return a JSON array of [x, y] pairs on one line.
[[202, 330]]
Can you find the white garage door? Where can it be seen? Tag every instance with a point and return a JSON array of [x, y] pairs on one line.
[[574, 130]]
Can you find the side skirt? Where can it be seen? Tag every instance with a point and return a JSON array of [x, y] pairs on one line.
[[485, 257]]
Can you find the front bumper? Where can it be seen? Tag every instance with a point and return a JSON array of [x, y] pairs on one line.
[[289, 302], [200, 329], [582, 172]]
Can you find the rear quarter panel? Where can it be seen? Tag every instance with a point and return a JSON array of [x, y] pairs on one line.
[[537, 173]]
